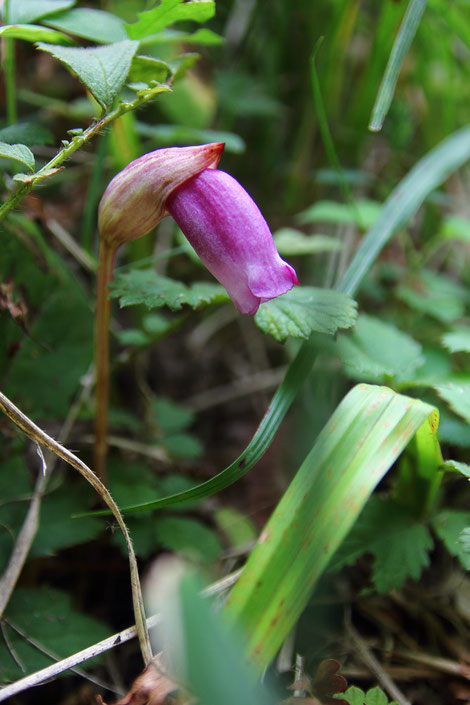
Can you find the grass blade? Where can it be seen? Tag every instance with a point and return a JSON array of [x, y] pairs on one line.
[[407, 31], [365, 435]]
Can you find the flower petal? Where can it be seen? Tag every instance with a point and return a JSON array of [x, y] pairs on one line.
[[230, 235], [135, 200]]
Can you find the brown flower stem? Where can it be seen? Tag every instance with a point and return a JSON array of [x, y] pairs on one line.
[[106, 257]]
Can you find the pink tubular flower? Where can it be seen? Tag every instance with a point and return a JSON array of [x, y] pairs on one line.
[[219, 218]]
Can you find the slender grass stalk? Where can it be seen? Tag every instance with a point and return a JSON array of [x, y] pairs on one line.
[[106, 258], [9, 70]]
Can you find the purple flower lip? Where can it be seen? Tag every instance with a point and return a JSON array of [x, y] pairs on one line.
[[219, 218]]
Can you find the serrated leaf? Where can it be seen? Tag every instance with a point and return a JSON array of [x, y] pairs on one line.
[[148, 288], [455, 466], [19, 153], [376, 349], [204, 37], [449, 525], [364, 213], [28, 133], [434, 294], [188, 537], [400, 544], [34, 33], [167, 13], [96, 25], [103, 70], [28, 11], [293, 242], [457, 340], [47, 616], [457, 395], [306, 309]]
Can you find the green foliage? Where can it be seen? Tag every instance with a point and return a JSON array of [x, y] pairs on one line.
[[95, 25], [449, 525], [47, 617], [362, 213], [19, 153], [168, 12], [188, 537], [374, 696], [103, 70], [376, 350], [27, 11], [304, 310], [457, 340], [34, 33], [457, 395], [28, 133], [293, 242], [434, 294], [399, 543], [148, 288]]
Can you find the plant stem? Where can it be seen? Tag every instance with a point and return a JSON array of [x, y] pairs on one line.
[[106, 257], [9, 70]]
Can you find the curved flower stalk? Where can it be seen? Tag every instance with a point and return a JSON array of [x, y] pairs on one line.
[[218, 217]]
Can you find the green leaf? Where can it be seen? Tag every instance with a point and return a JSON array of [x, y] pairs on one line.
[[27, 11], [172, 417], [57, 529], [188, 537], [240, 529], [183, 445], [434, 294], [204, 37], [457, 395], [103, 70], [449, 525], [374, 696], [19, 153], [354, 696], [457, 340], [456, 228], [455, 466], [167, 13], [364, 213], [464, 540], [305, 309], [28, 133], [47, 616], [183, 135], [34, 33], [142, 286], [399, 543], [402, 43], [293, 242], [96, 25], [376, 349], [362, 439], [147, 69]]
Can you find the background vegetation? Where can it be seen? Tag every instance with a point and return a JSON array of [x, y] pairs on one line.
[[291, 88]]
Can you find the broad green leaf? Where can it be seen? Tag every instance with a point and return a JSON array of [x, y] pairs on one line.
[[434, 294], [183, 135], [455, 466], [56, 528], [96, 25], [374, 696], [449, 525], [147, 69], [376, 349], [402, 43], [364, 213], [457, 340], [148, 288], [303, 310], [452, 430], [293, 242], [34, 33], [188, 537], [28, 11], [240, 529], [204, 37], [19, 153], [166, 13], [47, 616], [183, 445], [362, 439], [399, 543], [404, 201], [464, 540], [28, 133], [103, 70], [172, 417], [457, 395]]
